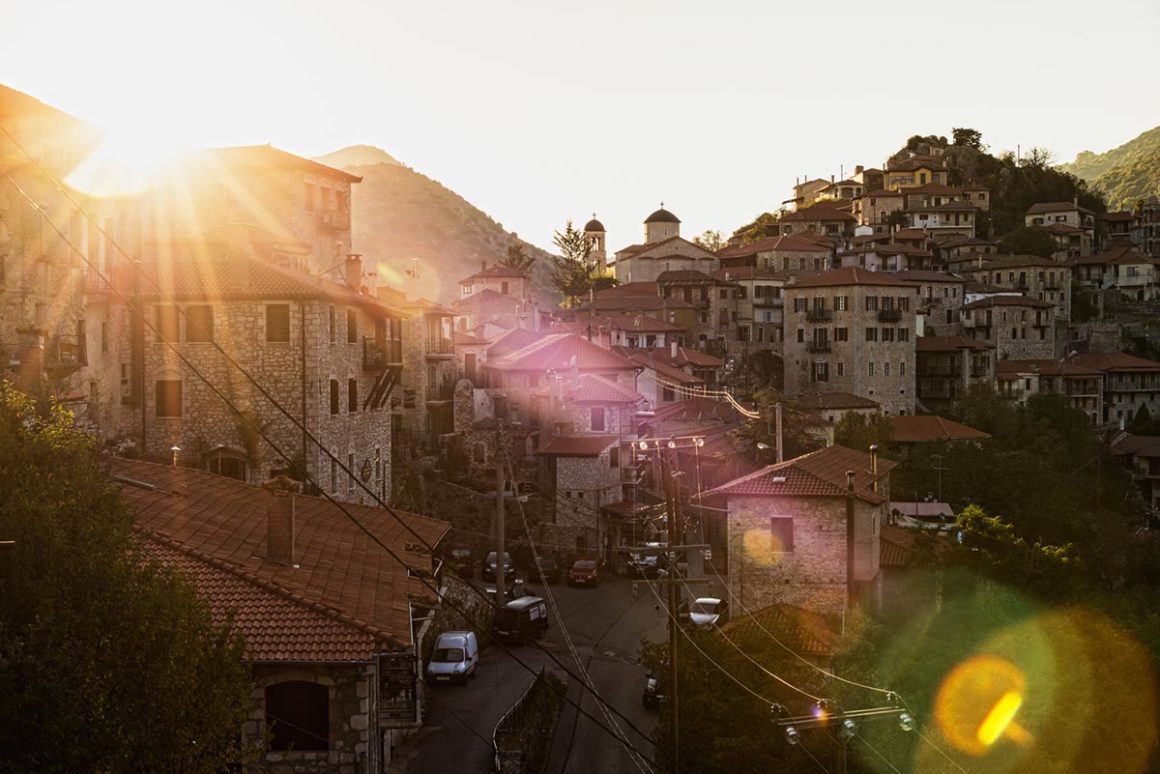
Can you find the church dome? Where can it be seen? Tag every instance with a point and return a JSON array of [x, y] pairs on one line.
[[662, 216], [594, 225]]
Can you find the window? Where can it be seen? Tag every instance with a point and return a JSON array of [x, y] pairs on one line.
[[904, 334], [278, 323], [333, 474], [350, 472], [871, 303], [902, 368], [799, 304], [886, 368], [841, 334], [821, 372], [168, 398], [352, 395], [333, 324], [888, 334], [841, 368], [667, 395], [104, 337], [869, 369], [871, 334], [351, 326], [801, 335], [333, 397], [724, 294], [841, 303], [298, 716], [598, 419], [614, 457], [199, 323], [781, 534], [904, 303], [167, 323]]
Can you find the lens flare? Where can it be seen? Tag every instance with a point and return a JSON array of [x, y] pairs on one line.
[[1000, 718], [978, 701], [763, 549]]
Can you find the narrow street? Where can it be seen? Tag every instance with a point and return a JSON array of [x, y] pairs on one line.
[[607, 625]]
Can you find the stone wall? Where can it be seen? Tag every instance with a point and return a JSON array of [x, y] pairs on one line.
[[813, 574]]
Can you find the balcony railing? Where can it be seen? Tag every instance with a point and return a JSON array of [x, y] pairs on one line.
[[442, 390], [818, 346], [819, 315], [440, 347], [889, 315], [378, 354]]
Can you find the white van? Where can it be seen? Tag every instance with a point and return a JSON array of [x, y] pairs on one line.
[[454, 659]]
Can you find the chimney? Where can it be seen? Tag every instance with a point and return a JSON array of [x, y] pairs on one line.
[[280, 528], [352, 270], [673, 347], [874, 466], [858, 169]]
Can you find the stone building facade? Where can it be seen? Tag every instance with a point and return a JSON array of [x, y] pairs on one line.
[[1018, 327], [852, 331], [786, 529], [1037, 278], [941, 295]]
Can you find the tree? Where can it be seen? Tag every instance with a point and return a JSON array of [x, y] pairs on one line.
[[898, 218], [710, 240], [1028, 241], [859, 431], [968, 138], [108, 662], [517, 258], [573, 270]]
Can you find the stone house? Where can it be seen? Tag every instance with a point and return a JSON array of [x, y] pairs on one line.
[[1130, 383], [954, 246], [1141, 455], [918, 170], [423, 403], [1018, 327], [716, 302], [1083, 387], [623, 330], [1134, 275], [333, 639], [585, 476], [827, 218], [941, 295], [873, 207], [1034, 277], [851, 330], [328, 355], [797, 254], [663, 249], [947, 367], [759, 305], [504, 280], [907, 433], [642, 299], [1069, 214], [952, 217], [492, 309], [786, 529], [828, 409]]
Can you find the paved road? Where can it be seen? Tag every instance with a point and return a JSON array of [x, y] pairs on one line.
[[607, 625]]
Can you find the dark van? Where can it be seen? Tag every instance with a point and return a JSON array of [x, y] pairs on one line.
[[521, 619]]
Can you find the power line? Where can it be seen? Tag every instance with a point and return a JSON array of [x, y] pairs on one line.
[[254, 425], [939, 750], [874, 750]]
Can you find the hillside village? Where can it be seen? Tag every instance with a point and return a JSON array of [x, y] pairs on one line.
[[224, 335]]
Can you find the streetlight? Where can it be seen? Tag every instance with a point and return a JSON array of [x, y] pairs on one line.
[[176, 451]]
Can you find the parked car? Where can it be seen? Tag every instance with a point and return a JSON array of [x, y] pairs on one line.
[[454, 659], [489, 567], [648, 563], [584, 572], [512, 590], [548, 569], [704, 611], [459, 560], [521, 620], [653, 693]]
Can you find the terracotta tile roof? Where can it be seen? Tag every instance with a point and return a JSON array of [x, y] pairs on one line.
[[911, 233], [992, 301], [898, 544], [1045, 207], [511, 341], [684, 276], [934, 188], [923, 275], [1059, 228], [820, 473], [920, 428], [493, 300], [577, 445], [945, 207], [743, 273], [948, 344], [557, 352], [1017, 261], [1116, 256], [636, 249], [1113, 361], [277, 626], [633, 303], [819, 214], [819, 401], [1011, 369], [788, 243], [956, 240], [850, 276], [868, 239], [339, 568], [695, 409], [631, 289], [591, 388], [619, 322], [801, 630], [459, 338], [497, 272], [1136, 445], [1118, 217], [881, 193]]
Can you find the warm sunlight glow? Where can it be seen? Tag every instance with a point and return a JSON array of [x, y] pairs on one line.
[[125, 163], [763, 549], [978, 700], [1000, 718]]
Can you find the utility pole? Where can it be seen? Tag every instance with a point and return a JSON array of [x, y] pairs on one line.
[[850, 537], [780, 445], [672, 497], [938, 468], [500, 567]]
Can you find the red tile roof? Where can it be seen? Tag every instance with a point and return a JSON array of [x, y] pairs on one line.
[[1113, 361], [684, 276], [820, 401], [923, 275], [802, 631], [1059, 228], [222, 520], [1045, 207], [911, 233], [577, 445], [1136, 445], [850, 276], [492, 300], [590, 388], [558, 352], [497, 272], [818, 474], [1116, 256], [787, 243], [934, 188], [1011, 369], [818, 214], [511, 341], [742, 273], [920, 428], [277, 625], [695, 409], [993, 301]]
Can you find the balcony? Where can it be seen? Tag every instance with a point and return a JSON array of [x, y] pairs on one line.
[[817, 347], [890, 315], [378, 354], [819, 315], [980, 373], [441, 391], [439, 348]]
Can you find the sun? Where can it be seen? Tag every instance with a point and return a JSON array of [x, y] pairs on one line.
[[126, 162]]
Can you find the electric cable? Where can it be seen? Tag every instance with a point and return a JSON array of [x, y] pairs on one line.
[[939, 750], [261, 432], [806, 750], [874, 750]]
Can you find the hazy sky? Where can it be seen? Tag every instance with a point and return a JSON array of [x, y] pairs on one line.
[[540, 111]]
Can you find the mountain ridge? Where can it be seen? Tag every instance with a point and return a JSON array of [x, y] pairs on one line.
[[1126, 173]]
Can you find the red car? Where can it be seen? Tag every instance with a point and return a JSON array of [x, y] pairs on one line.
[[584, 572]]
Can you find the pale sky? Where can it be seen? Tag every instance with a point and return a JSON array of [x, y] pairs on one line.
[[537, 112]]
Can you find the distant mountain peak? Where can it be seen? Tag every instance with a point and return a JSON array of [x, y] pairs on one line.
[[357, 156]]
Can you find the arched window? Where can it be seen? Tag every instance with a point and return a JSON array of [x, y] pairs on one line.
[[298, 716]]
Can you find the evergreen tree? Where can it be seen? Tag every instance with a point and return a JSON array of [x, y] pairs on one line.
[[516, 257], [573, 269]]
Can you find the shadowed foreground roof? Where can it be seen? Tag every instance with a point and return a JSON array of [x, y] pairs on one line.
[[223, 521], [919, 428], [800, 630], [821, 473]]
